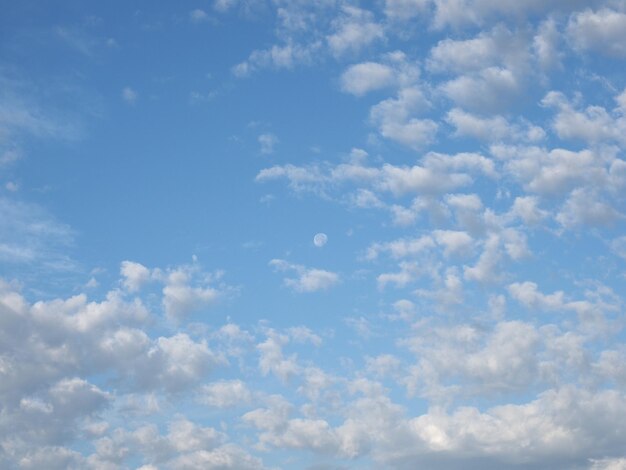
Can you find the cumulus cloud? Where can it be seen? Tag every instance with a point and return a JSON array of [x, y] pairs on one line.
[[134, 274], [225, 394], [594, 124], [394, 120], [362, 78], [393, 70], [601, 31], [353, 30], [491, 90], [492, 129], [437, 174], [180, 297], [308, 279]]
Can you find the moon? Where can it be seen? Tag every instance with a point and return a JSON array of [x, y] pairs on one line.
[[320, 239]]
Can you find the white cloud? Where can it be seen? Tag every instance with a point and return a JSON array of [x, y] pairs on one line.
[[459, 13], [34, 236], [354, 30], [618, 245], [135, 275], [394, 70], [455, 243], [362, 78], [593, 124], [491, 90], [272, 359], [278, 56], [546, 45], [401, 248], [558, 171], [499, 47], [527, 293], [394, 120], [486, 269], [226, 393], [198, 16], [308, 279], [526, 208], [492, 129], [602, 31], [267, 142], [180, 298], [584, 207], [608, 464]]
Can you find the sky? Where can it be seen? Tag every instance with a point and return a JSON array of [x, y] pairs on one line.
[[286, 234]]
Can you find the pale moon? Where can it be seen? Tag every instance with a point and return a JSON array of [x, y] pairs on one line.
[[320, 239]]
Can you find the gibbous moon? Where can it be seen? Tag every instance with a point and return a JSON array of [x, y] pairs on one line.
[[320, 239]]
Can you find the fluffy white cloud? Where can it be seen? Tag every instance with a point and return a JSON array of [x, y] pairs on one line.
[[593, 124], [394, 120], [180, 298], [492, 129], [546, 45], [135, 275], [499, 47], [438, 173], [458, 13], [602, 31], [492, 89], [225, 394], [558, 171], [362, 78], [394, 69], [584, 207], [309, 279], [353, 30], [401, 248]]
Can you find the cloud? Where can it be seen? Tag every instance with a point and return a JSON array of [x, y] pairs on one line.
[[353, 30], [405, 10], [491, 90], [593, 124], [401, 248], [267, 142], [33, 236], [129, 95], [198, 16], [492, 129], [558, 171], [278, 56], [393, 70], [498, 47], [308, 279], [546, 45], [180, 298], [224, 394], [393, 119], [602, 31], [362, 78], [135, 275], [435, 175]]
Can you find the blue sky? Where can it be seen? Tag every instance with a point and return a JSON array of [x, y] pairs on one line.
[[165, 167]]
